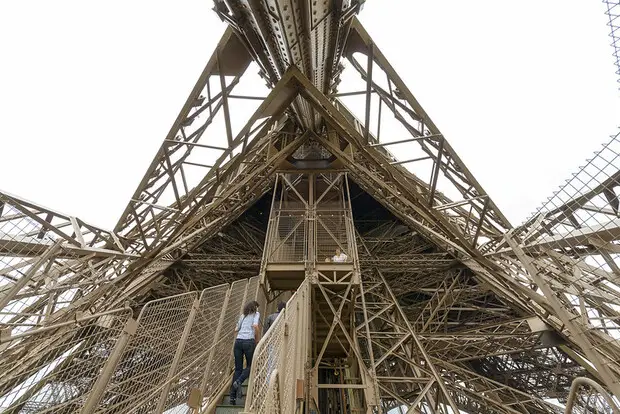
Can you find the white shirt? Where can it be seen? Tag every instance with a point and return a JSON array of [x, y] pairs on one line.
[[245, 325], [340, 258]]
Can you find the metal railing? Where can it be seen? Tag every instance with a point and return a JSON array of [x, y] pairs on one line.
[[334, 229], [298, 236], [569, 250], [177, 347], [287, 236], [279, 359], [594, 399], [48, 260]]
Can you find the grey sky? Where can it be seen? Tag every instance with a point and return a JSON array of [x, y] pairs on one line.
[[524, 91]]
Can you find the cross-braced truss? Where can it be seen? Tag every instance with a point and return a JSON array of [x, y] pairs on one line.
[[454, 308]]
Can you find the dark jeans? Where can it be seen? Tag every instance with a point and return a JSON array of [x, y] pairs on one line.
[[243, 347]]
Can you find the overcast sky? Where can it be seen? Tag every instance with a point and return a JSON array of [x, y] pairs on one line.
[[525, 90]]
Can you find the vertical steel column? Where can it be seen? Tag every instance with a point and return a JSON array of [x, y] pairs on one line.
[[108, 370], [371, 374], [311, 242], [271, 226], [177, 357], [368, 92]]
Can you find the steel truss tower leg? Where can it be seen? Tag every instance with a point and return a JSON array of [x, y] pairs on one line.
[[567, 319]]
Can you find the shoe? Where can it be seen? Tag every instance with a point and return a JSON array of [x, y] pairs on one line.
[[234, 390]]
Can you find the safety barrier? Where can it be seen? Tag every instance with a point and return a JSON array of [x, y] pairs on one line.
[[279, 359], [592, 399], [110, 363], [41, 374]]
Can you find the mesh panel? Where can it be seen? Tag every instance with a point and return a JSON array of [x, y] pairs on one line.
[[287, 237], [590, 398], [21, 238], [146, 361], [221, 361], [573, 244], [200, 342], [252, 289], [282, 349], [331, 233], [61, 370], [41, 258]]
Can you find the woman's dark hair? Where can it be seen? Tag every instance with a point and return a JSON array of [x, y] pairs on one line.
[[250, 307]]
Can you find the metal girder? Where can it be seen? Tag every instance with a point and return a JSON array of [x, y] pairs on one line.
[[167, 195], [503, 338], [453, 344], [548, 372], [476, 213], [281, 34], [440, 316], [48, 261], [401, 352]]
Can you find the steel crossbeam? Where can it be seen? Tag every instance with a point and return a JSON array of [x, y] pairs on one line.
[[445, 307]]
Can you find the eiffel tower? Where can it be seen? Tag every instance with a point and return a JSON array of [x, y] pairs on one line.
[[407, 289]]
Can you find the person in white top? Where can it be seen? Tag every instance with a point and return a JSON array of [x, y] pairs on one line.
[[248, 335], [339, 257]]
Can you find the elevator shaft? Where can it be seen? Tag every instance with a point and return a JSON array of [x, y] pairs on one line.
[[311, 238]]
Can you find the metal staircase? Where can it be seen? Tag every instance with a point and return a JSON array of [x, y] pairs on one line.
[[440, 306], [226, 408]]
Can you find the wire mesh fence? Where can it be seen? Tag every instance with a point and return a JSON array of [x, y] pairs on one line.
[[332, 236], [54, 374], [220, 363], [290, 240], [180, 344], [145, 363], [199, 346], [286, 240], [613, 13], [588, 201], [570, 250], [310, 231], [283, 350], [47, 261]]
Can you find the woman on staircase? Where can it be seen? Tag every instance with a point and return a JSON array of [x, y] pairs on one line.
[[248, 335]]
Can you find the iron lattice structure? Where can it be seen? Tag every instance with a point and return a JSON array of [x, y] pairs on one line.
[[449, 307]]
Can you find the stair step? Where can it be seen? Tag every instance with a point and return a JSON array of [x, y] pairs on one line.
[[244, 389], [229, 409], [226, 408], [240, 400]]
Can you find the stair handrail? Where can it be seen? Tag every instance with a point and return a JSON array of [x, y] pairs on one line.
[[583, 381], [283, 351]]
